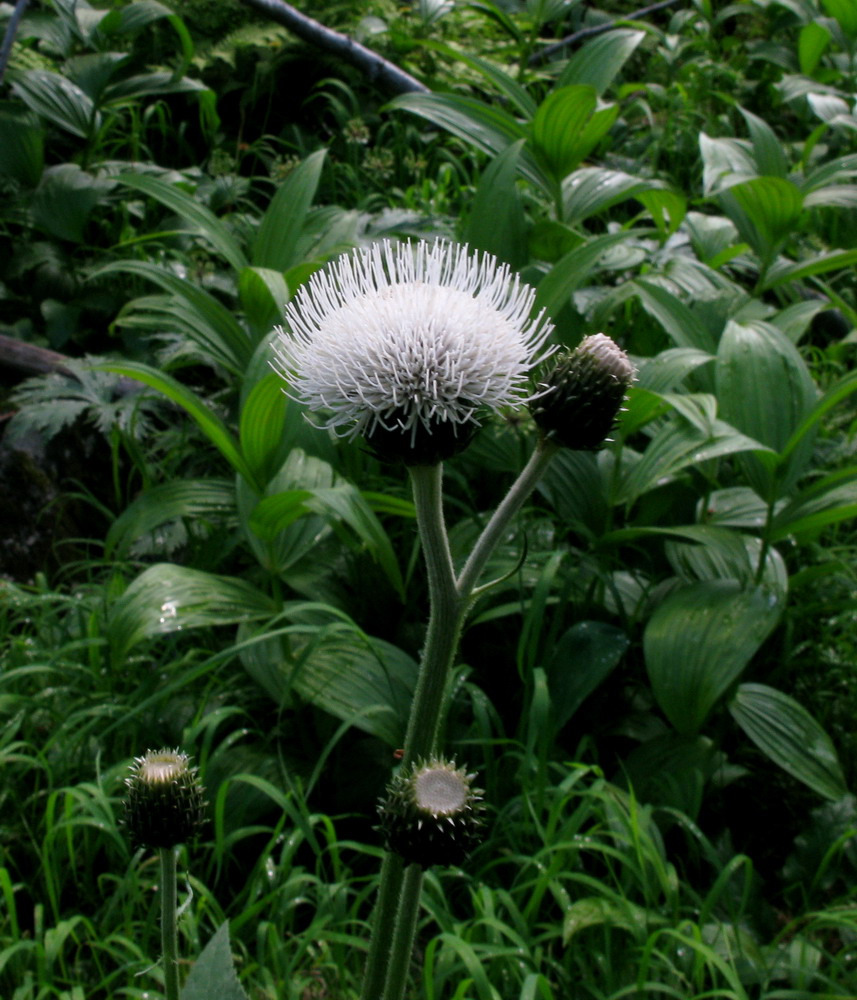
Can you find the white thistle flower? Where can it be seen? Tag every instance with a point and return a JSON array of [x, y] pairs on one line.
[[399, 342]]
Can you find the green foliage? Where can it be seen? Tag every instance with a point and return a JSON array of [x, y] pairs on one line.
[[675, 612]]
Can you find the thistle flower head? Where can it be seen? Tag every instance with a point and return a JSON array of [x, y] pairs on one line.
[[164, 805], [432, 814], [579, 399], [407, 344]]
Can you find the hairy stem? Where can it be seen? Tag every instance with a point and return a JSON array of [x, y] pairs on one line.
[[169, 933]]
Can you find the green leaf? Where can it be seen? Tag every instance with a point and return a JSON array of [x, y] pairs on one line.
[[573, 485], [506, 85], [206, 419], [362, 680], [765, 211], [765, 390], [213, 975], [668, 369], [22, 146], [593, 189], [263, 429], [201, 219], [597, 63], [342, 503], [783, 272], [725, 162], [812, 42], [199, 315], [571, 271], [56, 98], [64, 200], [496, 223], [264, 294], [833, 397], [826, 501], [177, 499], [276, 241], [682, 325], [845, 13], [585, 654], [767, 148], [790, 736], [558, 126], [167, 598], [698, 642]]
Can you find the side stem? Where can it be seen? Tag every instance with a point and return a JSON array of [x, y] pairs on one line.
[[169, 933]]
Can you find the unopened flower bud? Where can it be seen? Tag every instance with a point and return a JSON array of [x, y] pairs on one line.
[[432, 814], [583, 393], [164, 806]]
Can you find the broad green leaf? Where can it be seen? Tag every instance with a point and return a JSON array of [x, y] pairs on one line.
[[765, 211], [725, 162], [790, 736], [826, 501], [767, 148], [833, 397], [681, 325], [486, 128], [671, 770], [281, 226], [593, 189], [716, 553], [812, 42], [698, 642], [506, 85], [569, 273], [359, 679], [64, 200], [264, 294], [167, 598], [22, 145], [668, 369], [202, 220], [342, 503], [678, 446], [736, 507], [56, 98], [597, 63], [845, 12], [263, 429], [666, 207], [213, 975], [765, 390], [206, 419], [833, 196], [783, 272], [615, 913], [206, 320], [583, 657], [496, 223], [174, 500], [558, 126], [573, 485]]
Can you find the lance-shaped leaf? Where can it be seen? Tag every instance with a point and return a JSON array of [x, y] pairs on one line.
[[765, 211], [276, 241], [698, 642], [790, 736], [567, 128]]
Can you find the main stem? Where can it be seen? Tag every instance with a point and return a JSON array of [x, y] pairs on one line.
[[397, 909], [169, 933]]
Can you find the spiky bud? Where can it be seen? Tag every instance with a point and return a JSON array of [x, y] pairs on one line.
[[581, 396], [164, 805], [432, 814]]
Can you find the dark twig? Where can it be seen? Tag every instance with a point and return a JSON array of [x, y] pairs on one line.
[[9, 37], [377, 68], [598, 29]]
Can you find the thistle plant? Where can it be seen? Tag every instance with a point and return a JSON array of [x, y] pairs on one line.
[[164, 807], [410, 347]]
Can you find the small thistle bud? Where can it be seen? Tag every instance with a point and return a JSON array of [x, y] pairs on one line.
[[581, 396], [164, 805], [432, 814]]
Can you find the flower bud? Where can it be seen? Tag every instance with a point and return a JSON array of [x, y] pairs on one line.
[[581, 396], [432, 815], [164, 805]]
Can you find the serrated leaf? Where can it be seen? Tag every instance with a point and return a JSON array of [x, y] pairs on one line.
[[698, 642], [213, 975], [790, 736]]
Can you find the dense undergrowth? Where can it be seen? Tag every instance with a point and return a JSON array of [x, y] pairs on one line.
[[659, 698]]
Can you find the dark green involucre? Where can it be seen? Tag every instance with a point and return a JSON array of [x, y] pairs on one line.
[[432, 814], [164, 805], [581, 396]]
